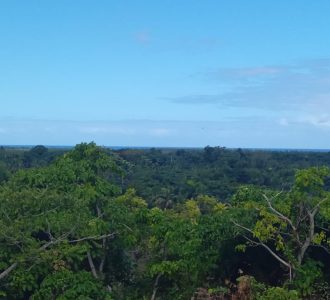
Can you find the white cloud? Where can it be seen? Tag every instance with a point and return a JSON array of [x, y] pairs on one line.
[[107, 130], [307, 132], [321, 121], [159, 132], [297, 88]]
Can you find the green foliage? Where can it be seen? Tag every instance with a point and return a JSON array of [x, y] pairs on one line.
[[67, 285], [72, 233], [184, 246], [45, 212], [311, 180], [278, 293], [246, 194], [307, 276], [241, 247], [286, 224], [213, 171], [321, 290], [131, 200], [261, 291], [218, 290], [4, 173]]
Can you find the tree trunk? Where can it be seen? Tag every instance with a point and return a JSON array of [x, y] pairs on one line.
[[154, 292], [91, 264]]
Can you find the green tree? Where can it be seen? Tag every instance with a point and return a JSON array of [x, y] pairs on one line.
[[184, 245], [287, 224], [53, 218]]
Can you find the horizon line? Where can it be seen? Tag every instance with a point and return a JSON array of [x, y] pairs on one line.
[[30, 146]]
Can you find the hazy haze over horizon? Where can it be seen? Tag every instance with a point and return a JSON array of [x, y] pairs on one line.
[[165, 73]]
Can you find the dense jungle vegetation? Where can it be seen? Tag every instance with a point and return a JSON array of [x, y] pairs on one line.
[[212, 223]]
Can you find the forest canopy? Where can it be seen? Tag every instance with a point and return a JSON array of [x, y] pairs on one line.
[[91, 223]]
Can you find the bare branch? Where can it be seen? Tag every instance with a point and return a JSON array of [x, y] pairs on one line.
[[129, 228], [288, 265], [251, 241], [91, 264], [241, 226], [8, 270], [322, 247], [317, 206], [284, 218], [154, 292], [101, 266], [309, 237], [96, 237], [54, 242], [42, 213], [260, 243], [49, 231], [279, 214], [323, 228]]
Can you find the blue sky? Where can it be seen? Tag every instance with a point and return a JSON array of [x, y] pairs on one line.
[[166, 73]]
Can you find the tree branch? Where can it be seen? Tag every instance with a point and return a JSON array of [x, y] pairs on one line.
[[95, 237], [322, 247], [154, 292], [317, 207], [285, 219], [309, 237], [54, 242], [279, 214], [91, 264], [8, 270], [101, 266], [260, 243]]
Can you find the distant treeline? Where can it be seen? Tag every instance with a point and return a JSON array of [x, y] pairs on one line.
[[161, 175], [164, 176]]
